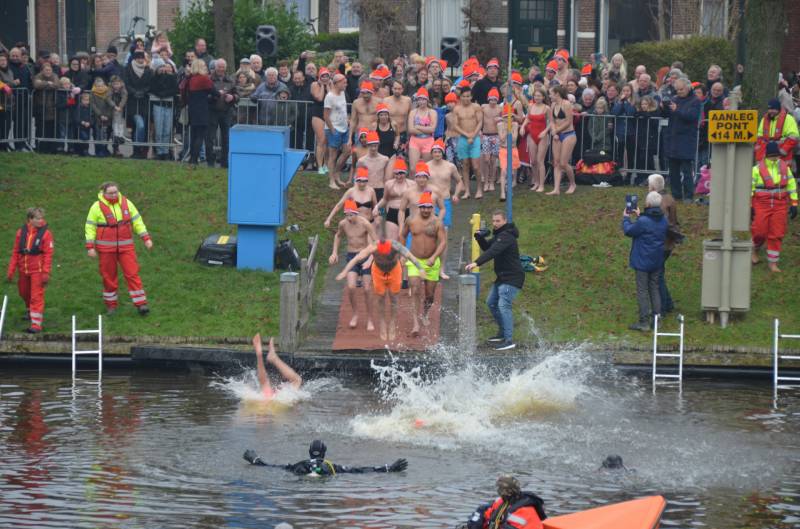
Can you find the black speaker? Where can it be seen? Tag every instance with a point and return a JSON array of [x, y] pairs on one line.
[[451, 51], [267, 41]]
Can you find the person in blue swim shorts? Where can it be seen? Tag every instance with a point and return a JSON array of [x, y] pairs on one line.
[[468, 123]]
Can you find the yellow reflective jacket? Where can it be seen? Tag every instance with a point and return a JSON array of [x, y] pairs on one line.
[[96, 217]]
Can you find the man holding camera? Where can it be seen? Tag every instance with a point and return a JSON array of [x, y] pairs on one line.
[[503, 248]]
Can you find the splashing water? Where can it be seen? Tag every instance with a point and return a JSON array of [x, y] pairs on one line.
[[246, 388]]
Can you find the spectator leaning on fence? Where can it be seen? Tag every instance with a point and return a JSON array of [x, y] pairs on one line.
[[648, 232], [137, 81], [163, 88]]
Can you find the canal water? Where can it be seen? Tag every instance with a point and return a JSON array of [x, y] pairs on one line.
[[164, 449]]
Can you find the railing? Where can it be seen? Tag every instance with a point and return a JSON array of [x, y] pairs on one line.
[[3, 315], [16, 118], [777, 379], [297, 294], [678, 377]]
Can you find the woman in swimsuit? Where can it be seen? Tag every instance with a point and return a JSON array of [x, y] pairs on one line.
[[389, 139], [421, 124], [289, 375], [536, 129], [393, 193], [319, 89], [564, 138], [362, 194]]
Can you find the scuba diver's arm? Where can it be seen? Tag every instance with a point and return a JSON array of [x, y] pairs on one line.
[[251, 457], [397, 466]]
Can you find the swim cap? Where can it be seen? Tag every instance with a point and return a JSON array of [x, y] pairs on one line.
[[451, 97], [400, 166], [587, 69], [317, 449], [494, 94], [362, 174], [350, 207], [372, 137], [422, 169], [516, 78], [508, 487], [438, 144], [382, 107], [552, 65], [493, 63], [367, 86], [425, 200], [384, 247], [422, 93]]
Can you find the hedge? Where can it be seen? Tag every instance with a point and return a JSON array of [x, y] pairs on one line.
[[337, 41], [696, 54]]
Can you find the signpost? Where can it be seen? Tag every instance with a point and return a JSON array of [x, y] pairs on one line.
[[726, 263], [732, 126]]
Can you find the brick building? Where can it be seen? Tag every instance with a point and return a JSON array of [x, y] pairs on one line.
[[583, 26]]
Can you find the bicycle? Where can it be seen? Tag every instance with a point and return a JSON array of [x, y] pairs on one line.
[[124, 42]]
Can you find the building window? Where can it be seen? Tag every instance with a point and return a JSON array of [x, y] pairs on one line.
[[617, 31], [714, 18], [134, 8], [348, 17]]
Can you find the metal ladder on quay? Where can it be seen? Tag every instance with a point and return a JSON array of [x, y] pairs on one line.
[[99, 351], [777, 357], [670, 377], [3, 315]]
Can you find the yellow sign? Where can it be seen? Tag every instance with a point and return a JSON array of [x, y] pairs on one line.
[[732, 126]]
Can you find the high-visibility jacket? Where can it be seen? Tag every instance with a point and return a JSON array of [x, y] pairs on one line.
[[111, 227], [782, 129], [33, 251], [526, 512], [773, 176]]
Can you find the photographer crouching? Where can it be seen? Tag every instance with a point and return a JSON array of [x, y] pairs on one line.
[[503, 248], [648, 231]]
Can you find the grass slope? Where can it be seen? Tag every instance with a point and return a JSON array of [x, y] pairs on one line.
[[180, 207], [589, 293]]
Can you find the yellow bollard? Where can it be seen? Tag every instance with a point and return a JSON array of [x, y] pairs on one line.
[[475, 225]]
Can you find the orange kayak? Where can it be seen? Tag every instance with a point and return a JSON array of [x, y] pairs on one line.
[[644, 513]]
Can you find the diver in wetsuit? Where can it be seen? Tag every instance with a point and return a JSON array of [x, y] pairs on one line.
[[317, 465]]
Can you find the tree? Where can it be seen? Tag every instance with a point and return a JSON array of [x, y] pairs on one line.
[[381, 29], [223, 31], [765, 28]]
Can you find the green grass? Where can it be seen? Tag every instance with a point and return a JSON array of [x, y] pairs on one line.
[[588, 292], [180, 208]]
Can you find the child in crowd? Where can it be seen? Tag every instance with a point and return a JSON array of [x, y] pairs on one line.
[[83, 117], [103, 113], [66, 102], [118, 98], [450, 134], [502, 131]]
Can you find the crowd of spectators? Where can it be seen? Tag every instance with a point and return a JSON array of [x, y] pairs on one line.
[[157, 102]]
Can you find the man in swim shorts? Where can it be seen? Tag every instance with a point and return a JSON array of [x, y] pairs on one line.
[[468, 123], [387, 275], [289, 375], [443, 175], [316, 465], [428, 242], [490, 140]]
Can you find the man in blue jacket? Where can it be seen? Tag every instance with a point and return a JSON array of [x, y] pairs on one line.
[[680, 141], [648, 231]]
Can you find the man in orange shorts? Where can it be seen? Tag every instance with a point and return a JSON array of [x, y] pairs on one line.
[[387, 276]]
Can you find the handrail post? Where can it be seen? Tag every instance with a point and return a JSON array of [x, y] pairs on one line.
[[289, 307], [467, 320]]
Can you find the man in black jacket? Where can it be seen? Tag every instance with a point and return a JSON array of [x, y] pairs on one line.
[[220, 112], [504, 250]]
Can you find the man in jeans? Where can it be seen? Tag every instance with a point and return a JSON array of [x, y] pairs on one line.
[[503, 248], [220, 112]]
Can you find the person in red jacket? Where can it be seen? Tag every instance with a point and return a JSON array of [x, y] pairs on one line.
[[514, 509], [33, 257]]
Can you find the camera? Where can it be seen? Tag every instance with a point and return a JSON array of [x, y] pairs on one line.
[[483, 232], [631, 203]]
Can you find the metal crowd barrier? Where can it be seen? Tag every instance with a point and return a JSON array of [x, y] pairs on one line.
[[634, 142], [15, 118]]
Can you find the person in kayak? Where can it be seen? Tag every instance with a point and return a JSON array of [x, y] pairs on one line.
[[514, 509], [289, 375], [316, 465]]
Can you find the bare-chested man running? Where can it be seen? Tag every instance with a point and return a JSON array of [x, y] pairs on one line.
[[443, 175], [386, 279], [376, 163], [360, 233], [393, 194], [468, 123], [362, 112], [428, 241], [399, 107]]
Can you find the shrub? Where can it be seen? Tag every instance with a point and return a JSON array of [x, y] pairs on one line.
[[293, 35], [337, 41], [696, 54]]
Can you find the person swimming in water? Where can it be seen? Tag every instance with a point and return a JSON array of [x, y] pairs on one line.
[[317, 465], [288, 374]]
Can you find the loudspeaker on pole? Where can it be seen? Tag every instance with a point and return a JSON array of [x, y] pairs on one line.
[[267, 41], [450, 50]]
